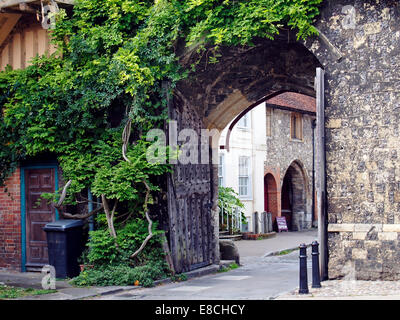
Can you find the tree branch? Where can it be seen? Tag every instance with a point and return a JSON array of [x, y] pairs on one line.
[[125, 139], [63, 194], [148, 219], [59, 206], [109, 215], [80, 216]]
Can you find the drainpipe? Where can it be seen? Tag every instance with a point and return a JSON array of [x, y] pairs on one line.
[[313, 126]]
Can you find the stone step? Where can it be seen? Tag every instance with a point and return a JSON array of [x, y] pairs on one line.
[[234, 237], [226, 263], [252, 236]]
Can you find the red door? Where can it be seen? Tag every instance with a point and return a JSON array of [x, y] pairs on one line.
[[38, 213]]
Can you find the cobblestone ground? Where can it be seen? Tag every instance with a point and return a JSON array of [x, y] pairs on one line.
[[349, 289]]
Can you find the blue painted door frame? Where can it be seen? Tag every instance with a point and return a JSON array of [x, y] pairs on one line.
[[23, 203]]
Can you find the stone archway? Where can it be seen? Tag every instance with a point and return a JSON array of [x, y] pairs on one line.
[[212, 97], [295, 197], [355, 61]]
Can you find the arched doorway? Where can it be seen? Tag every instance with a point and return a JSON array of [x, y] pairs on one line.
[[271, 196], [294, 197]]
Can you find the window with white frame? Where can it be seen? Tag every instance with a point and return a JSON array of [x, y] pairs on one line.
[[221, 170], [244, 122], [244, 177]]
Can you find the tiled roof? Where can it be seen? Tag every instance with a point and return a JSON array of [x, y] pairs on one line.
[[295, 101]]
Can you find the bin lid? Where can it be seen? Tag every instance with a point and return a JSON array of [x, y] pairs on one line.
[[61, 225]]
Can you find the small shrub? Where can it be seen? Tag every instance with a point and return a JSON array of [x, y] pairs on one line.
[[121, 275], [232, 266], [179, 277]]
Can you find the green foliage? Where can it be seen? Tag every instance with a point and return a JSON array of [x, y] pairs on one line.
[[232, 266], [121, 275], [8, 292], [232, 22], [228, 200], [111, 258], [285, 252], [104, 251], [179, 277]]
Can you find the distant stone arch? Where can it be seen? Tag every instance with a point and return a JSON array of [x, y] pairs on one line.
[[295, 197]]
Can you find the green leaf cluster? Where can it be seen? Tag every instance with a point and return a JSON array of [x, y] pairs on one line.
[[105, 251]]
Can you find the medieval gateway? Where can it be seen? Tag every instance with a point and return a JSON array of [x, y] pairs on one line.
[[352, 69]]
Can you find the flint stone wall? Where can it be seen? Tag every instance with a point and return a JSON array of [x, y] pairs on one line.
[[362, 111]]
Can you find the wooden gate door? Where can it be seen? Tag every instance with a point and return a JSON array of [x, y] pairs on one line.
[[191, 225], [37, 214]]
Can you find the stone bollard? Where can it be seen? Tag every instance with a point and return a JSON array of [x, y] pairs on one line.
[[269, 217], [264, 226], [255, 222]]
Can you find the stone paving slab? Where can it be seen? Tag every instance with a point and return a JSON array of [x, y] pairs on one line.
[[348, 290], [79, 293], [65, 291], [27, 280]]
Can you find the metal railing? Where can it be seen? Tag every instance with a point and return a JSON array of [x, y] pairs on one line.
[[230, 218]]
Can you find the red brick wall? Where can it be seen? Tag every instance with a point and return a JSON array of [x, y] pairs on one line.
[[10, 223]]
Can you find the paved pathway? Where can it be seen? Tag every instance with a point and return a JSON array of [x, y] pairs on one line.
[[282, 241], [349, 290], [259, 278]]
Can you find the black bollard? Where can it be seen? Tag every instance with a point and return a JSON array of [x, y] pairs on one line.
[[303, 269], [316, 282]]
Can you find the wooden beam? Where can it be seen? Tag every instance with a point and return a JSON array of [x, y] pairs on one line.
[[70, 2], [12, 3], [10, 20]]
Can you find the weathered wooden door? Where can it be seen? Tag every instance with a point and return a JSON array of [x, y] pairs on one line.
[[191, 225], [38, 213]]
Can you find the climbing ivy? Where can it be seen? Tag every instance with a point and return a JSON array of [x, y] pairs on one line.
[[114, 58]]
